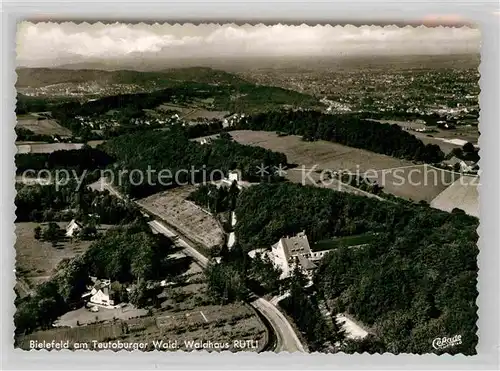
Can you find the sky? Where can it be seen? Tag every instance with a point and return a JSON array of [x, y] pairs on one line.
[[53, 44]]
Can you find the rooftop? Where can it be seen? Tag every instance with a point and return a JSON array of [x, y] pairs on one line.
[[296, 245]]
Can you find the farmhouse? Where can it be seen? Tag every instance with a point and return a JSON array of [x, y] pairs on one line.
[[291, 251], [73, 228], [100, 293]]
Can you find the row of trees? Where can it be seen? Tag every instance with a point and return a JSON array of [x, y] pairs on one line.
[[215, 199], [347, 129], [28, 135], [392, 284], [235, 276]]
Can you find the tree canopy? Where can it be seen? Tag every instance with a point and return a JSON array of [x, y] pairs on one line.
[[174, 160], [415, 280]]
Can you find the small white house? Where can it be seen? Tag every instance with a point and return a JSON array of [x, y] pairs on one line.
[[73, 228], [102, 297], [101, 293]]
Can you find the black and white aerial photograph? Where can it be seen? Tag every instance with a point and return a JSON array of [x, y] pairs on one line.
[[247, 188]]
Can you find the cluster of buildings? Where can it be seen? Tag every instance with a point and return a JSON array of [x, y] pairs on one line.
[[102, 122], [233, 120], [82, 89]]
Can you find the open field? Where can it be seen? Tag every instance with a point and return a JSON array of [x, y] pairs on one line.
[[417, 182], [398, 177], [84, 316], [174, 107], [185, 315], [446, 139], [37, 147], [203, 113], [184, 215], [326, 155], [82, 334], [36, 260], [462, 194], [46, 147], [193, 112], [46, 126]]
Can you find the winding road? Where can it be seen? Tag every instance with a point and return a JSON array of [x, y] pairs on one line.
[[286, 338]]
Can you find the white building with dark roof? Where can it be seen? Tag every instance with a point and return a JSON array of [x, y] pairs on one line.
[[100, 293], [289, 251]]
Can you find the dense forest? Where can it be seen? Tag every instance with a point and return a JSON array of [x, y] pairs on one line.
[[129, 254], [26, 104], [85, 158], [414, 282], [303, 307], [42, 203], [350, 130], [173, 159]]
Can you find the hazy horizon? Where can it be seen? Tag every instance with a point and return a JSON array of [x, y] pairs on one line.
[[128, 46]]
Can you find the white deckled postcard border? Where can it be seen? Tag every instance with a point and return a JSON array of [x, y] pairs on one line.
[[484, 13]]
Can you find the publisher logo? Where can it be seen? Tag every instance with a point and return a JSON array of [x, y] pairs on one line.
[[446, 342]]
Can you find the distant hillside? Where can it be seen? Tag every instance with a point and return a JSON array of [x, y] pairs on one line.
[[39, 77], [112, 89]]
